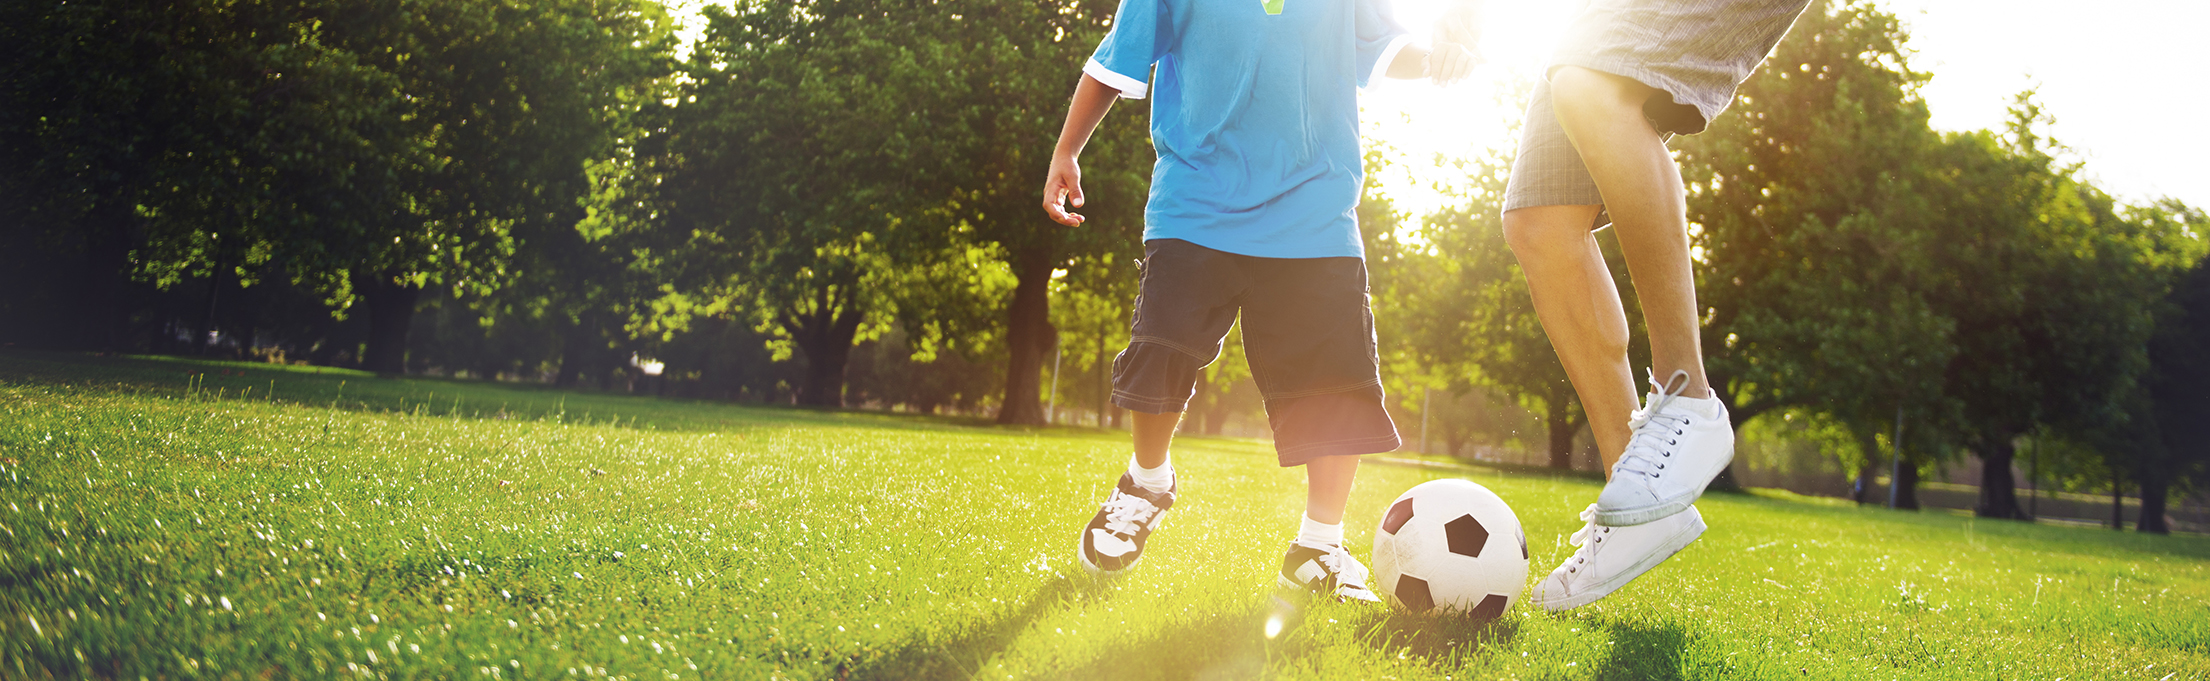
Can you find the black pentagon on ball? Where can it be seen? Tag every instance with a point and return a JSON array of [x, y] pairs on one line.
[[1523, 544], [1412, 592], [1491, 607], [1466, 536], [1398, 515]]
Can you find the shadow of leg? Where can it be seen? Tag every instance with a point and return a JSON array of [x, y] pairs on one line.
[[964, 654], [1643, 650], [1438, 637], [1230, 644]]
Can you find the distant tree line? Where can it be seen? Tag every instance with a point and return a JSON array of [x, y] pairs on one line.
[[832, 203]]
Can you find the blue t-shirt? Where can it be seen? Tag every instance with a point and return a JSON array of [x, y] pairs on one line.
[[1255, 118]]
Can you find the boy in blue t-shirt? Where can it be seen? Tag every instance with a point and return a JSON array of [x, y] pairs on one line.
[[1252, 211]]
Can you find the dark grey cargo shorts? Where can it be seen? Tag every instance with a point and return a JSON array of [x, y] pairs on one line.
[[1307, 330]]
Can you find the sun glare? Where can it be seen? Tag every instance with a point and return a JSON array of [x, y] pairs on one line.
[[1417, 121]]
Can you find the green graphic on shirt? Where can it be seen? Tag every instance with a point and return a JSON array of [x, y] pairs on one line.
[[1272, 6]]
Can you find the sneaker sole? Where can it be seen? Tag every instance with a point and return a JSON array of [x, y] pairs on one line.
[[1629, 517], [1675, 543], [1282, 582]]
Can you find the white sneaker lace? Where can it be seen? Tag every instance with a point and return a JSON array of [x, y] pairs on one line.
[[1348, 571], [1587, 538], [1126, 513], [1655, 431]]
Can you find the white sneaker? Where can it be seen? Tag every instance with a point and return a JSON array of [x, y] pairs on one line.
[[1324, 570], [1610, 557], [1114, 539], [1680, 444]]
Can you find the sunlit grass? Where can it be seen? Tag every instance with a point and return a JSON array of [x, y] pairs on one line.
[[165, 524]]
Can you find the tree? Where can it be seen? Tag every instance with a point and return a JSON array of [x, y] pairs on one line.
[[815, 160], [2054, 294], [187, 140], [1024, 58], [1805, 204], [2178, 379], [512, 101], [363, 150]]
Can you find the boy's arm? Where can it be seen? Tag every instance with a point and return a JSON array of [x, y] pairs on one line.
[[1447, 63], [1092, 99], [1453, 56], [1460, 27]]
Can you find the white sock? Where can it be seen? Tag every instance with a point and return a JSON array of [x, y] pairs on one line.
[[1316, 533], [1158, 480]]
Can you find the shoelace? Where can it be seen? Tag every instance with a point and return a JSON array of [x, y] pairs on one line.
[[1587, 538], [1654, 431], [1347, 571], [1126, 513]]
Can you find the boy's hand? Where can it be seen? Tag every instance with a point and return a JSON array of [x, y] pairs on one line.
[[1064, 183], [1456, 35], [1460, 24], [1450, 63]]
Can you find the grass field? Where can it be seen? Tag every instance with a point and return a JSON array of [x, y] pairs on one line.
[[176, 519]]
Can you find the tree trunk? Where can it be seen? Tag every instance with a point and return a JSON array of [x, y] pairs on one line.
[[2117, 502], [825, 336], [2154, 490], [1561, 430], [206, 340], [1998, 490], [1906, 487], [390, 314], [1869, 444], [825, 363], [1027, 337], [106, 275], [575, 347]]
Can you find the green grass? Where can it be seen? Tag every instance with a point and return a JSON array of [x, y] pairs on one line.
[[160, 523]]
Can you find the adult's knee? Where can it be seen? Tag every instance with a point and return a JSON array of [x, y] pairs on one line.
[[1576, 91], [1543, 232]]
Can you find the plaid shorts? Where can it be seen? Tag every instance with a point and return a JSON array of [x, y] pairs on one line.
[[1307, 330], [1695, 51]]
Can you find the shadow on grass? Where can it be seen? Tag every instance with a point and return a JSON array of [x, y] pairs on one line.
[[1643, 650], [1220, 645], [964, 654], [1438, 638], [1233, 644]]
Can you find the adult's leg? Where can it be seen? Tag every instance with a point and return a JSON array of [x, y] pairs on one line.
[[1581, 313], [1154, 434], [1602, 114]]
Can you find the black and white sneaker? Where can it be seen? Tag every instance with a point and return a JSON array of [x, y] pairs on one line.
[[1113, 541], [1327, 570]]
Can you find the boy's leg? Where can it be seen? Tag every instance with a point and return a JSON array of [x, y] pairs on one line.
[[1328, 487], [1309, 335], [1184, 307], [1154, 436]]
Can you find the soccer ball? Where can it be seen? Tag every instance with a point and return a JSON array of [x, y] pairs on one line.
[[1451, 546]]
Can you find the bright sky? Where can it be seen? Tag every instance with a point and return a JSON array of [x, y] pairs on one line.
[[2122, 78]]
